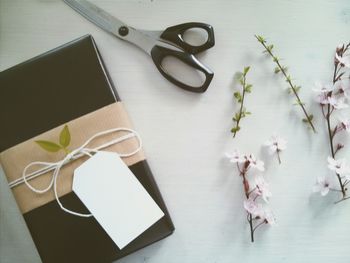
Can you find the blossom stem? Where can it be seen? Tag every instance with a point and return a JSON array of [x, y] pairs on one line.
[[332, 134], [334, 190], [341, 200], [251, 228], [261, 223], [251, 191], [239, 169], [249, 217], [289, 81], [323, 113], [278, 156]]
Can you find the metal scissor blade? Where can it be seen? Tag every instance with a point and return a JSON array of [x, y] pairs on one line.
[[96, 15]]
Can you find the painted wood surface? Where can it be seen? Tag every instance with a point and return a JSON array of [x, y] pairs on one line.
[[186, 135]]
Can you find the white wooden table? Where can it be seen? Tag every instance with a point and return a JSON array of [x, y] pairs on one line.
[[186, 134]]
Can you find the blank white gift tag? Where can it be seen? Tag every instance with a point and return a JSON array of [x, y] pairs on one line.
[[114, 196]]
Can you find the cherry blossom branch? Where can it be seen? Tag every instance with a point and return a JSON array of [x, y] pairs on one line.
[[332, 135], [292, 88], [256, 191], [336, 77], [333, 97]]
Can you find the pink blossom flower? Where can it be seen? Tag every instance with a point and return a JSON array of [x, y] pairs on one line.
[[322, 185], [339, 166], [254, 163], [262, 188], [343, 60], [235, 157]]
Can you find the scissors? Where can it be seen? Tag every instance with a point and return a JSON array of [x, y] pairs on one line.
[[157, 44]]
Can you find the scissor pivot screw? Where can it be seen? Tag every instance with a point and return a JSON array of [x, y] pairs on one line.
[[123, 31]]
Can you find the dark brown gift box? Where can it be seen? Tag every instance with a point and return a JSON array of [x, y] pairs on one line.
[[41, 94]]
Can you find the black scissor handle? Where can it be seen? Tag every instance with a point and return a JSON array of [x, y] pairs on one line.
[[175, 35], [158, 53]]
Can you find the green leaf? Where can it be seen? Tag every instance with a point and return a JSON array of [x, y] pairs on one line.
[[297, 88], [248, 113], [235, 129], [277, 70], [248, 88], [311, 117], [238, 75], [260, 39], [298, 102], [246, 69], [65, 137], [49, 146], [237, 95], [238, 116]]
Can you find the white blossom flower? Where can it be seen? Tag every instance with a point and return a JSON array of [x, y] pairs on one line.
[[254, 163], [337, 103], [322, 92], [262, 188], [322, 98], [322, 185], [344, 61], [253, 207], [344, 124], [339, 166], [276, 144], [343, 88], [269, 217], [250, 205], [235, 157], [323, 88]]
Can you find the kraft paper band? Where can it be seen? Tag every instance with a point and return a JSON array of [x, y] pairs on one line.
[[15, 159]]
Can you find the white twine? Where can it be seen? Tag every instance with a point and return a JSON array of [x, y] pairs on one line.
[[72, 156]]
